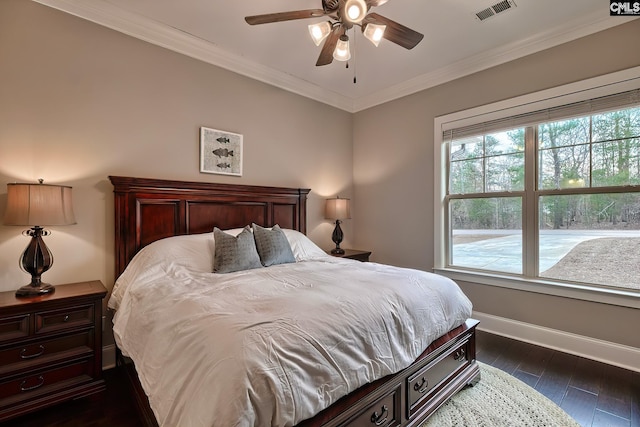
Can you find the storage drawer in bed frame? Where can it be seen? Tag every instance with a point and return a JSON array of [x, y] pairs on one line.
[[426, 382], [411, 395]]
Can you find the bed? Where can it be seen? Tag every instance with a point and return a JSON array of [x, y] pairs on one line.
[[392, 391]]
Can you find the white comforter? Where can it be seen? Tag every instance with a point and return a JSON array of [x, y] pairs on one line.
[[274, 346]]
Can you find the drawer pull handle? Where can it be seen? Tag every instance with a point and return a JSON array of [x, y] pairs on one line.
[[459, 355], [382, 418], [421, 386], [33, 387], [66, 318], [25, 356]]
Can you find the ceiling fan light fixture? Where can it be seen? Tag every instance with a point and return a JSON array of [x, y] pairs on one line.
[[342, 52], [319, 31], [344, 15], [355, 11], [374, 33]]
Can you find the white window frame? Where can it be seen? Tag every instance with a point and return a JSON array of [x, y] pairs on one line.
[[575, 92]]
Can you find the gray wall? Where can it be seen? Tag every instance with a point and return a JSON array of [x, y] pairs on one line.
[[393, 175], [80, 102]]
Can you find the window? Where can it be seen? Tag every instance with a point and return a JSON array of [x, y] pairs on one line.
[[549, 195]]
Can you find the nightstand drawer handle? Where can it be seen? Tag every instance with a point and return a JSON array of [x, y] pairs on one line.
[[66, 318], [23, 354], [40, 383]]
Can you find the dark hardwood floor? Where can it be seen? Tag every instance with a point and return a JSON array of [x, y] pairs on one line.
[[593, 393]]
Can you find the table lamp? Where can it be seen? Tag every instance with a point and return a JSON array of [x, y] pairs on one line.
[[337, 209], [37, 205]]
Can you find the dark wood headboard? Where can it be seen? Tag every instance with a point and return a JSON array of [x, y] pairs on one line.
[[147, 210]]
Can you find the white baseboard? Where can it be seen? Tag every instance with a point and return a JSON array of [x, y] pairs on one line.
[[602, 351], [108, 356]]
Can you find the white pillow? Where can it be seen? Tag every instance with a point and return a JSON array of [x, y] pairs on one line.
[[303, 248], [194, 252]]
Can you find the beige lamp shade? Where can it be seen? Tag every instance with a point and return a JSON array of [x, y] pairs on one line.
[[39, 204], [338, 209]]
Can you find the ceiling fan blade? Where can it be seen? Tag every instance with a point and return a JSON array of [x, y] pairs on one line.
[[284, 16], [374, 3], [326, 55], [396, 33]]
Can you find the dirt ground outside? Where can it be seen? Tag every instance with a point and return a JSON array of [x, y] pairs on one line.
[[604, 261], [608, 261]]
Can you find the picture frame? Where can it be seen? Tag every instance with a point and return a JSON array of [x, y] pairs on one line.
[[220, 152]]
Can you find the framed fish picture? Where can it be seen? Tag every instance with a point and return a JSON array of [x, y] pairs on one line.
[[220, 152]]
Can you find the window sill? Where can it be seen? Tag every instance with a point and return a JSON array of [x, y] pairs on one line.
[[584, 292]]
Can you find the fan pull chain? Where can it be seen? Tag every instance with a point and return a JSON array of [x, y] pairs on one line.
[[354, 56], [354, 72]]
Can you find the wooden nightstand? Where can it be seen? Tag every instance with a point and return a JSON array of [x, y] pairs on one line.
[[50, 347], [354, 254]]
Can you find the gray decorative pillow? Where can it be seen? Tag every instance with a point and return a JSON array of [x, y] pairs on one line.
[[273, 246], [234, 253]]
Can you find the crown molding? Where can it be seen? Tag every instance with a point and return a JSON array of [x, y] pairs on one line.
[[570, 31], [107, 15]]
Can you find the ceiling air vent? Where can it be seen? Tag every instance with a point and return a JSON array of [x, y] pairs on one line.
[[497, 8]]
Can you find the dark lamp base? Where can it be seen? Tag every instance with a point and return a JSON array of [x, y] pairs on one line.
[[337, 239], [34, 291]]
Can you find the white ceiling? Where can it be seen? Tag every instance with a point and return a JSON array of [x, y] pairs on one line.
[[456, 43]]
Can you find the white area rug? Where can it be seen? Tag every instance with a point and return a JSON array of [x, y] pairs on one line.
[[499, 400]]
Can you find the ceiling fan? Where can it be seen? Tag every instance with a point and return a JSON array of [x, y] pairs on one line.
[[343, 15]]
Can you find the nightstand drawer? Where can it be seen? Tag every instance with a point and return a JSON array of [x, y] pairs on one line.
[[72, 317], [50, 347], [33, 384], [28, 355], [14, 327]]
